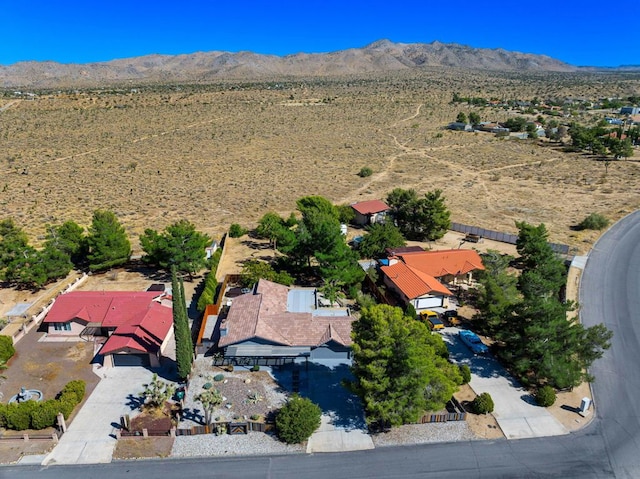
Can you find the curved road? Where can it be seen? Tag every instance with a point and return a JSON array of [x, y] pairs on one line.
[[608, 447]]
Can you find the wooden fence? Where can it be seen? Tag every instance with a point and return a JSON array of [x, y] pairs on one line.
[[214, 309], [228, 427], [30, 437]]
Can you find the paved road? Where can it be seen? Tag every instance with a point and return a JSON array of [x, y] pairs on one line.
[[610, 293], [608, 447]]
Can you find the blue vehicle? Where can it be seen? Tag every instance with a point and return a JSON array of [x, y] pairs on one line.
[[473, 342]]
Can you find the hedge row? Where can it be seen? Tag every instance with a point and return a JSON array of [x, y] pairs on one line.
[[210, 283], [40, 415], [6, 348]]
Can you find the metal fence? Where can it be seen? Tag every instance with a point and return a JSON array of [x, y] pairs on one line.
[[502, 237]]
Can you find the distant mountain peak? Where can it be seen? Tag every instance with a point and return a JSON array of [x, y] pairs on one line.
[[380, 56]]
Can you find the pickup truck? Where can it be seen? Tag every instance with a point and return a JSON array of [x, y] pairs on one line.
[[473, 342]]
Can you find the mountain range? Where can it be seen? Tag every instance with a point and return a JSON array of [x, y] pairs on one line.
[[380, 56]]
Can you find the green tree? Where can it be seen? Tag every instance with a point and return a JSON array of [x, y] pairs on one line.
[[517, 123], [538, 342], [297, 420], [108, 243], [181, 330], [319, 204], [36, 268], [425, 218], [255, 270], [346, 214], [69, 238], [276, 229], [474, 118], [532, 131], [379, 237], [498, 292], [181, 245], [13, 243], [399, 367], [461, 118]]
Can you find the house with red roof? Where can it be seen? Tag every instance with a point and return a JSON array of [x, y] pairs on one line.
[[133, 327], [274, 322], [369, 212], [420, 277]]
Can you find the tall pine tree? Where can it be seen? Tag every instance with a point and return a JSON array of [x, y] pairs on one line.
[[181, 331]]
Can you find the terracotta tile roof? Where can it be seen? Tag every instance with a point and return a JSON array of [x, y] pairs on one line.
[[144, 333], [370, 207], [263, 315], [442, 263], [412, 282], [139, 322]]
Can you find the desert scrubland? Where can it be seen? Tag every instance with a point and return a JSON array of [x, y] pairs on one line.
[[228, 152]]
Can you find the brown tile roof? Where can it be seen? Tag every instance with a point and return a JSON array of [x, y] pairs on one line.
[[445, 262], [263, 315], [412, 282], [370, 207]]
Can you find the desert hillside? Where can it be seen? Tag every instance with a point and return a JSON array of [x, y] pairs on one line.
[[379, 57]]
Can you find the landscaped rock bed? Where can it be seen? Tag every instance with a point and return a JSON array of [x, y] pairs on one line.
[[247, 394]]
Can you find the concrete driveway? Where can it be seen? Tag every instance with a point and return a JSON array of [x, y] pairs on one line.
[[343, 427], [89, 438], [515, 409]]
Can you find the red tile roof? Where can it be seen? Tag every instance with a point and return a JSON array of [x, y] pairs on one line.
[[445, 262], [138, 321], [412, 282], [370, 207], [263, 315]]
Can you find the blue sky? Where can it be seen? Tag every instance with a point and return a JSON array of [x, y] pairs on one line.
[[580, 32]]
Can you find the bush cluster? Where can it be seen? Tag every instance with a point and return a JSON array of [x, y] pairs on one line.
[[365, 171], [545, 396], [465, 372], [297, 420], [236, 231], [40, 415], [483, 404], [595, 221], [6, 348]]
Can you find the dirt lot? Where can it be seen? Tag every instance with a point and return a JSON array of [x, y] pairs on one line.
[[46, 366]]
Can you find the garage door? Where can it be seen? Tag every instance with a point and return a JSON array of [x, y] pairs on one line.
[[426, 303], [131, 360]]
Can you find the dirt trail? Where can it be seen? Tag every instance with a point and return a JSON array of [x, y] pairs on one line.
[[135, 140]]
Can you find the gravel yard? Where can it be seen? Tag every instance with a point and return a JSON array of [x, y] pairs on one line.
[[425, 433], [245, 394]]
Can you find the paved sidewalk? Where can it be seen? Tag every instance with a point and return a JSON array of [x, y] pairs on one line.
[[331, 438], [90, 437]]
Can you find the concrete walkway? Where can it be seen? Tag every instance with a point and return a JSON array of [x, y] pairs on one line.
[[515, 409], [90, 437], [332, 438]]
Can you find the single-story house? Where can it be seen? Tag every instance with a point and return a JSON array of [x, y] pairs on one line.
[[274, 322], [135, 326], [460, 126], [447, 266], [370, 212], [414, 287], [419, 277], [630, 110]]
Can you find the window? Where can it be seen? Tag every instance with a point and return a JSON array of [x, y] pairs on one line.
[[62, 326]]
